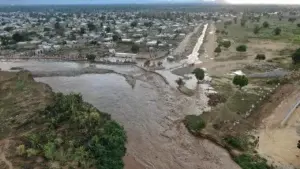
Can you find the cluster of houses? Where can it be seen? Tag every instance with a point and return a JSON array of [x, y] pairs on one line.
[[44, 32]]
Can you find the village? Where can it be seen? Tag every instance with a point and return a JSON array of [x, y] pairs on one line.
[[193, 86]]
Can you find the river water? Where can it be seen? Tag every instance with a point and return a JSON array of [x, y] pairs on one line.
[[151, 114], [150, 111]]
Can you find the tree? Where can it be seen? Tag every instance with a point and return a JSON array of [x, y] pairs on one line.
[[256, 29], [180, 82], [241, 48], [266, 24], [91, 57], [135, 48], [116, 37], [298, 25], [298, 145], [218, 49], [82, 31], [107, 29], [18, 37], [240, 80], [277, 31], [199, 73], [226, 43], [134, 24], [260, 57], [292, 20], [91, 26], [8, 28], [296, 56], [235, 20], [243, 22]]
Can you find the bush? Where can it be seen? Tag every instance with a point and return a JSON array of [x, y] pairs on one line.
[[31, 152], [194, 123], [218, 49], [260, 57], [243, 22], [18, 37], [91, 57], [296, 56], [116, 37], [241, 48], [21, 150], [277, 31], [180, 82], [256, 29], [240, 80], [266, 24], [237, 142], [199, 73], [247, 161], [226, 43], [298, 25], [135, 48]]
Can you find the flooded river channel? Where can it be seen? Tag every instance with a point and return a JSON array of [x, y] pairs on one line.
[[150, 111]]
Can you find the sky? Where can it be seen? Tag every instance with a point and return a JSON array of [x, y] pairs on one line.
[[21, 2]]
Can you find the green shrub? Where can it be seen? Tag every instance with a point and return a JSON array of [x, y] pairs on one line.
[[91, 57], [135, 48], [32, 152], [199, 73], [241, 48], [247, 161], [296, 56], [226, 43], [21, 149], [218, 49], [277, 31], [240, 80], [256, 29], [237, 142], [194, 123], [266, 24], [260, 57]]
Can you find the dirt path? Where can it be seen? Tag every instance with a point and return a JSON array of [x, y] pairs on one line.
[[278, 143], [185, 42], [4, 146]]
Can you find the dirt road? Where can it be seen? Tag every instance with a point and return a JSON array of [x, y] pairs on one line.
[[279, 143]]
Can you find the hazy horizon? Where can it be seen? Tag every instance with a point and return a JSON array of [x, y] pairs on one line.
[[58, 2]]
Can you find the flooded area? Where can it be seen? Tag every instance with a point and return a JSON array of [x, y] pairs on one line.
[[151, 113], [150, 110]]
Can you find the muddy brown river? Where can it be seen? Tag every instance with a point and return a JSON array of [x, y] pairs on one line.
[[151, 113]]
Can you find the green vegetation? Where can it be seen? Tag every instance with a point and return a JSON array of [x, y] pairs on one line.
[[296, 56], [256, 29], [77, 135], [260, 57], [238, 142], [277, 31], [248, 161], [199, 73], [226, 43], [135, 48], [218, 49], [266, 24], [241, 48], [240, 80], [194, 123], [91, 57]]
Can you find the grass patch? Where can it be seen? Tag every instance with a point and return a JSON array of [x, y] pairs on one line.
[[248, 161], [194, 123], [238, 142]]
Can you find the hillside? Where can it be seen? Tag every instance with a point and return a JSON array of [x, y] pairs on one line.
[[42, 129]]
